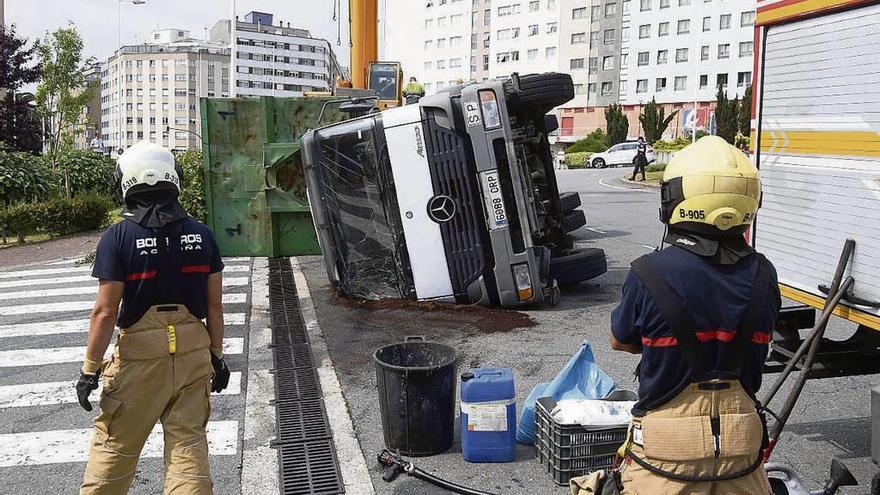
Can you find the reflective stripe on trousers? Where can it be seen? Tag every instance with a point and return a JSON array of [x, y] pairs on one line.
[[144, 383]]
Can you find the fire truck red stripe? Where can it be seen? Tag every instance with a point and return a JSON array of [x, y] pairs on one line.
[[140, 276], [195, 269]]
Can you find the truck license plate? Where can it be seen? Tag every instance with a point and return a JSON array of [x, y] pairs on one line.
[[494, 201]]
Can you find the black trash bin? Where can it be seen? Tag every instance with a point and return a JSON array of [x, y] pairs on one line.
[[417, 396]]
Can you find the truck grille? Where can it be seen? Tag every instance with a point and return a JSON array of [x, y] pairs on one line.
[[451, 175]]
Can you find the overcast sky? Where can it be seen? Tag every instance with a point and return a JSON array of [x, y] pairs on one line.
[[96, 19]]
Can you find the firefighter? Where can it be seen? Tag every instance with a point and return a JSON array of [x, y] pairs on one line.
[[700, 313], [640, 161], [413, 92], [165, 269]]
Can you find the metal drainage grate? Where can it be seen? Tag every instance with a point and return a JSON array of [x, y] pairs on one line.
[[307, 461], [293, 356], [302, 421], [309, 468]]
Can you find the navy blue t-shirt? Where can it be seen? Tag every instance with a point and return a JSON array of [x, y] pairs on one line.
[[716, 297], [169, 265]]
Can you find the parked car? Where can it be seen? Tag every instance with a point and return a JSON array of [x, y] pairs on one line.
[[619, 154]]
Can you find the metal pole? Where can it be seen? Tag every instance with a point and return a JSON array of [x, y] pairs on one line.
[[233, 52]]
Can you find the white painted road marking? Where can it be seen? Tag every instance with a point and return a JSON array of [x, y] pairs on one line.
[[77, 326], [45, 281], [637, 189], [593, 229], [52, 393], [652, 248], [90, 289], [57, 355], [45, 271], [59, 446], [26, 309]]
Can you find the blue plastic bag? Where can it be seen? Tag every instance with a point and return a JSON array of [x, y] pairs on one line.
[[580, 378]]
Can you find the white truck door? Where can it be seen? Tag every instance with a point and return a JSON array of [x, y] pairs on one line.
[[819, 145]]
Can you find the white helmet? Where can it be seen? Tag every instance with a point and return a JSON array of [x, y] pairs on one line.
[[146, 164]]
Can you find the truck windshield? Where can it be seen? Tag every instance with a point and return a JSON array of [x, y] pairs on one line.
[[362, 208]]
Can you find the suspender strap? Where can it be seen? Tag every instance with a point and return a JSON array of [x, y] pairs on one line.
[[675, 313], [754, 313]]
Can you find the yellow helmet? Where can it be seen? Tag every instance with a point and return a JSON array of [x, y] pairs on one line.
[[710, 187]]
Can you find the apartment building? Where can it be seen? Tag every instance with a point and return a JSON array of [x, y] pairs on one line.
[[684, 50], [445, 44], [481, 39], [150, 91], [525, 37], [277, 60], [87, 129]]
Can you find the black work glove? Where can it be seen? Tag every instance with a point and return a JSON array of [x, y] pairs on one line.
[[221, 374], [84, 388]]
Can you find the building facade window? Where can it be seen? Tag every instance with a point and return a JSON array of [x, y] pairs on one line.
[[577, 38], [746, 49], [704, 52], [532, 54], [681, 55], [724, 22], [550, 52], [594, 64], [591, 88], [576, 63], [747, 18], [534, 5], [624, 60], [684, 26], [664, 4], [663, 29], [610, 9], [645, 5], [681, 83], [721, 81], [644, 58], [596, 12], [724, 51], [704, 80], [533, 30], [552, 27], [644, 31], [743, 79], [607, 88], [608, 63], [661, 84], [641, 86], [609, 37], [662, 56], [579, 13], [578, 89], [707, 24]]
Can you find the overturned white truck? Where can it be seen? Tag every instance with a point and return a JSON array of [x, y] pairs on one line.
[[454, 198]]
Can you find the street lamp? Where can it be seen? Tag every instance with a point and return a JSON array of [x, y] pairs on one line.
[[120, 92]]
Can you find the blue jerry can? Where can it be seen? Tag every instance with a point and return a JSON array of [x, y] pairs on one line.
[[488, 415]]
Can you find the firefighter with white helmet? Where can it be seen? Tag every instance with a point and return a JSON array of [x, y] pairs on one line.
[[165, 270], [700, 313]]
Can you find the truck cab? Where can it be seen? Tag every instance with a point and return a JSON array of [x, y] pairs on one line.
[[454, 198]]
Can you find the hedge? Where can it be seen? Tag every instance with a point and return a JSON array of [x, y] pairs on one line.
[[25, 178], [578, 160], [57, 216], [192, 184], [655, 167], [595, 142]]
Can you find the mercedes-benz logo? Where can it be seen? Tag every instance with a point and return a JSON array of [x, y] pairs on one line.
[[441, 208]]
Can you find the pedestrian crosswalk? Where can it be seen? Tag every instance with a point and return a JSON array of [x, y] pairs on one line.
[[44, 320]]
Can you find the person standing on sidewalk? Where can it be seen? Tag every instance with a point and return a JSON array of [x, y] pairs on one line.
[[640, 161], [165, 270]]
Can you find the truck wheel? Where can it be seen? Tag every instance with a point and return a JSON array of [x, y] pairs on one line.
[[579, 266], [545, 91], [599, 163], [569, 201], [573, 221]]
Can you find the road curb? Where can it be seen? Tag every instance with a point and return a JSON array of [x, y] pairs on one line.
[[625, 180], [352, 464]]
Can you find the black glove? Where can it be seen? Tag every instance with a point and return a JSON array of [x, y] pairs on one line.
[[84, 388], [221, 374]]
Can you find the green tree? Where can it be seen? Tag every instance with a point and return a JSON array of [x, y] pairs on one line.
[[594, 142], [654, 121], [616, 123], [726, 116], [63, 92], [192, 188], [745, 113], [19, 130]]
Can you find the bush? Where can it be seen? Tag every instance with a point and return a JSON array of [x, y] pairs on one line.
[[192, 184], [24, 178], [673, 145], [86, 171], [578, 160], [655, 167], [595, 142], [57, 216]]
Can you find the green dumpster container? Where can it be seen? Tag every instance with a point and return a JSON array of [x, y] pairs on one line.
[[255, 190]]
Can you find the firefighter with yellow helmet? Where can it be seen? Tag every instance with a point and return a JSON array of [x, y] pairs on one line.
[[165, 270], [700, 312]]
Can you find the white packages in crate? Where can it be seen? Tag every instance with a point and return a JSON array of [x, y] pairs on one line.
[[593, 414]]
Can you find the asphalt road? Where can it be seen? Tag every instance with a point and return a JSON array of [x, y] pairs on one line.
[[44, 433], [831, 420]]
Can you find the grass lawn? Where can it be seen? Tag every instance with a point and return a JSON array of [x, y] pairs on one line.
[[13, 240]]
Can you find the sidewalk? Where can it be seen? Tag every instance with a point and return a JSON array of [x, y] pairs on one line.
[[71, 246]]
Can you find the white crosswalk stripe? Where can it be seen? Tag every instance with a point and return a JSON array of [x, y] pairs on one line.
[[73, 270], [57, 446], [51, 393], [90, 289], [58, 355], [26, 309], [78, 326], [29, 282]]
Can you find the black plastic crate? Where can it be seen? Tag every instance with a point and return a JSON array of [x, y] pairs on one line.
[[569, 451]]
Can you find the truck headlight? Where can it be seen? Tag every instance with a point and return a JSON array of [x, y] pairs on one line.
[[491, 114], [523, 280]]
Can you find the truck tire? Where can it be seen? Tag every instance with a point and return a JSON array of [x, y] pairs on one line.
[[569, 201], [579, 266], [573, 221], [545, 91]]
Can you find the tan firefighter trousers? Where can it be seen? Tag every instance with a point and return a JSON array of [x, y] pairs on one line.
[[678, 438], [160, 371]]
